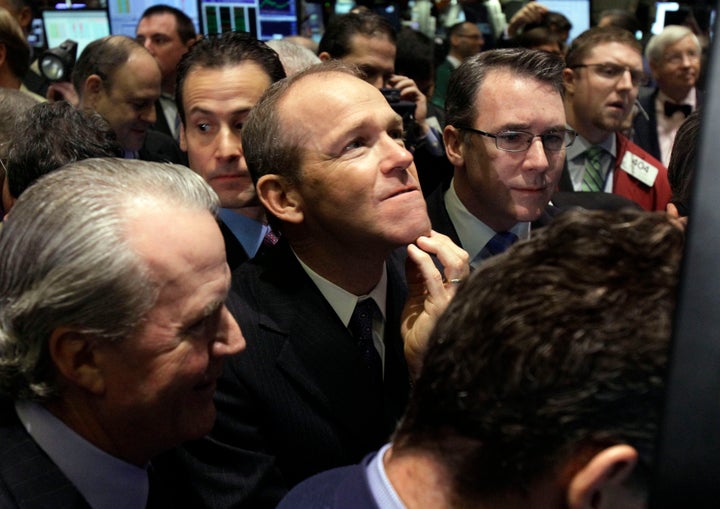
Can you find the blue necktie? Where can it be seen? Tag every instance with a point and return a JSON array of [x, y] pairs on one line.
[[496, 245], [361, 327]]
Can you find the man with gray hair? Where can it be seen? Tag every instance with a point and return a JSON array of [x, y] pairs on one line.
[[113, 330], [674, 58]]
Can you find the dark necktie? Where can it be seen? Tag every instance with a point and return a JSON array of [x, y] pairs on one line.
[[496, 245], [671, 108], [361, 328]]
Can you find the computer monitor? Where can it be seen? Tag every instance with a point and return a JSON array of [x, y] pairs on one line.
[[265, 19], [125, 14], [81, 25], [577, 11], [662, 9]]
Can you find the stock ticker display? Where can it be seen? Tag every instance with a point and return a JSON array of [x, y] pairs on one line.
[[265, 19]]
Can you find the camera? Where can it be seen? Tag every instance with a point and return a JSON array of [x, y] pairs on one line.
[[56, 64], [406, 109]]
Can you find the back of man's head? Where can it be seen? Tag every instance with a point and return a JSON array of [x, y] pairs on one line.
[[51, 135], [337, 39], [467, 80], [17, 50], [103, 57], [548, 355], [68, 262], [13, 105], [226, 50]]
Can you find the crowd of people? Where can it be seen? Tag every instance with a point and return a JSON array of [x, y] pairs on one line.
[[238, 274]]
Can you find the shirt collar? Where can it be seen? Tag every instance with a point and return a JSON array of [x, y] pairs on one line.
[[248, 232], [106, 482], [472, 232], [690, 99], [342, 301], [580, 145], [380, 486]]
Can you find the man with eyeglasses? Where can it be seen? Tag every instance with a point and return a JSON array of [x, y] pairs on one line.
[[603, 75], [506, 139], [674, 58]]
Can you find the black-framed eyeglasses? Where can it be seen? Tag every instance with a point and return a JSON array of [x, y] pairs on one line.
[[520, 141], [615, 71]]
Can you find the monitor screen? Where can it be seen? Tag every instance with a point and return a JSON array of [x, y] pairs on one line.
[[265, 19], [661, 13], [81, 25], [125, 14], [577, 11]]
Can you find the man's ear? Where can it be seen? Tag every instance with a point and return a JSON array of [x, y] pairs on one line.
[[183, 138], [92, 90], [589, 487], [569, 80], [74, 357], [280, 198], [454, 146], [325, 56]]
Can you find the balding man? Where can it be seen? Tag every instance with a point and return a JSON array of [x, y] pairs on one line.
[[118, 78]]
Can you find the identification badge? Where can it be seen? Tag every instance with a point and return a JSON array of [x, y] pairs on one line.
[[639, 168]]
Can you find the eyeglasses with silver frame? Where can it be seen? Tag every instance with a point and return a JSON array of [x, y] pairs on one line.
[[520, 141]]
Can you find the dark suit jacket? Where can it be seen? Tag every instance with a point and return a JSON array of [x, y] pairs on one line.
[[234, 250], [339, 488], [162, 148], [645, 130], [28, 477], [161, 124], [441, 222], [297, 401]]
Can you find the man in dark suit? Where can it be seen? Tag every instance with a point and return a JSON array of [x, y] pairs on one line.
[[507, 152], [326, 373], [120, 80], [604, 72], [219, 80], [167, 33], [529, 395], [113, 330], [674, 58]]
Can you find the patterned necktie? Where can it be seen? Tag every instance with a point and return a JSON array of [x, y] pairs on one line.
[[496, 245], [593, 178], [361, 327]]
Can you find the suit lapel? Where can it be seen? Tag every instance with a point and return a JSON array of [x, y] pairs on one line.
[[318, 353], [27, 474]]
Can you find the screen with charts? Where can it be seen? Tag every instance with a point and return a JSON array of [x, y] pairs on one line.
[[577, 11], [265, 19], [125, 14], [81, 25]]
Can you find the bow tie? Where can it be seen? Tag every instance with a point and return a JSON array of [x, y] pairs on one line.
[[671, 108]]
